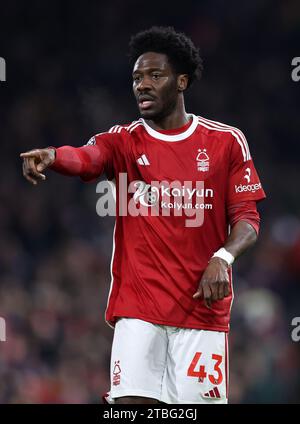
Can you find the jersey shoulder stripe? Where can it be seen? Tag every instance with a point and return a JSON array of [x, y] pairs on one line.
[[131, 126], [128, 127], [138, 124], [238, 135], [114, 129]]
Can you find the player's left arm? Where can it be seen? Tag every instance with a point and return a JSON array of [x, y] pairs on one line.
[[215, 284], [244, 190]]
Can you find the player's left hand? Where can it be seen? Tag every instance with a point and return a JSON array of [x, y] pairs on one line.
[[214, 284]]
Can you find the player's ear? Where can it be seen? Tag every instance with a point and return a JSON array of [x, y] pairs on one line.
[[182, 82]]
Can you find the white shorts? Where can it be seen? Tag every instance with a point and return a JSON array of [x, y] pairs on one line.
[[170, 364]]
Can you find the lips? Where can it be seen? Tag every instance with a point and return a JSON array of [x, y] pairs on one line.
[[145, 102]]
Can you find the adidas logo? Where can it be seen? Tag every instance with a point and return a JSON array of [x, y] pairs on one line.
[[212, 394], [143, 160]]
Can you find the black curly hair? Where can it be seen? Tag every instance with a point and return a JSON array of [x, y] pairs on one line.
[[184, 57]]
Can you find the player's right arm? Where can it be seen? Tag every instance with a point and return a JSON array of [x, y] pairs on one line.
[[88, 162]]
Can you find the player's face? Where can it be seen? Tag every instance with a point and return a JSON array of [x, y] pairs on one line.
[[154, 86]]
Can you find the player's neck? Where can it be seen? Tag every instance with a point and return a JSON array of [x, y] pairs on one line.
[[178, 118]]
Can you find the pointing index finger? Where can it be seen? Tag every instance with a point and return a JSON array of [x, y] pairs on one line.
[[28, 154]]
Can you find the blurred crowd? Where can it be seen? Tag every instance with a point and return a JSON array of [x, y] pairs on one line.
[[67, 79]]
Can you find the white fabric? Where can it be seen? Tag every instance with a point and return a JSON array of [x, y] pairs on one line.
[[151, 360], [224, 254]]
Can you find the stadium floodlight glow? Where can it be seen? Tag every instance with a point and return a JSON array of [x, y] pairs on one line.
[[2, 69]]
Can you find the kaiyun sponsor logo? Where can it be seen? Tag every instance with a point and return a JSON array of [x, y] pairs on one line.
[[157, 198]]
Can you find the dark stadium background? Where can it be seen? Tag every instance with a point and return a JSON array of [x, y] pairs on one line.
[[67, 79]]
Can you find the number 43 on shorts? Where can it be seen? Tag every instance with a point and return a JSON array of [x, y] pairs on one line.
[[215, 378]]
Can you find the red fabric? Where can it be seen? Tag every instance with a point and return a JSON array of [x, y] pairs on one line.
[[82, 161], [177, 130], [244, 211], [158, 261]]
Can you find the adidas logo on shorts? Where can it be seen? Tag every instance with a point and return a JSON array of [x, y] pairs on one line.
[[212, 394]]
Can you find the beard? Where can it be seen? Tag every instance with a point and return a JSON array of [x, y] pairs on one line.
[[162, 112]]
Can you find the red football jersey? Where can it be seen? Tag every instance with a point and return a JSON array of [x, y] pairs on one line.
[[178, 187]]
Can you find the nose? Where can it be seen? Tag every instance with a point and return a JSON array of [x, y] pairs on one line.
[[144, 84]]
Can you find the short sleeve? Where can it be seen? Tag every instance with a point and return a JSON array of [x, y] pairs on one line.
[[243, 182]]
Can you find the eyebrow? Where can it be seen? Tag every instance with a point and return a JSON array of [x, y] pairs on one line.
[[147, 70]]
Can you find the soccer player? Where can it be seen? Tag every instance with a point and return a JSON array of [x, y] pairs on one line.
[[171, 291]]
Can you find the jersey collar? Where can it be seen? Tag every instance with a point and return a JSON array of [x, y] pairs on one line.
[[175, 137]]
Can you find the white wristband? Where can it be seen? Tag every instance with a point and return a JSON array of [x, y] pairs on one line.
[[224, 254]]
